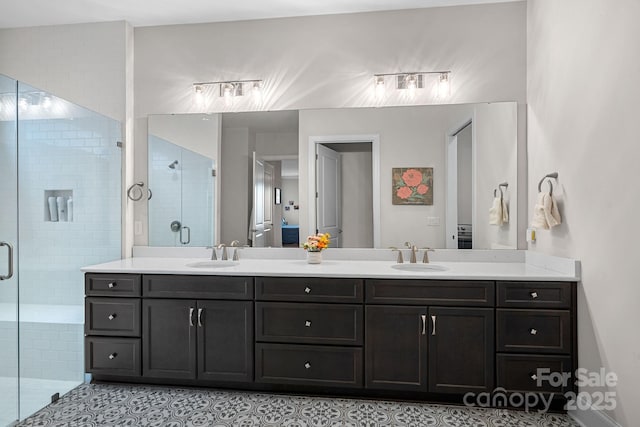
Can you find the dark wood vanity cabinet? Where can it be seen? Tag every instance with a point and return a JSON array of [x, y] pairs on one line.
[[309, 331], [536, 328], [429, 348], [178, 327], [112, 324], [416, 338]]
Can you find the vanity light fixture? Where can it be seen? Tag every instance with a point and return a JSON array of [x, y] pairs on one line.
[[444, 85], [413, 81], [229, 90]]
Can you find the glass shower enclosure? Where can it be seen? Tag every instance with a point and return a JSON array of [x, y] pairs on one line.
[[60, 209]]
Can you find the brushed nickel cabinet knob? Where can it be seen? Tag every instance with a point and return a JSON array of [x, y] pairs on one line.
[[112, 316]]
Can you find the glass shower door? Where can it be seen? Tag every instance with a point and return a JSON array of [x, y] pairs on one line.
[[9, 379]]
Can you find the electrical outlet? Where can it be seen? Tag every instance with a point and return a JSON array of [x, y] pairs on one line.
[[531, 235], [137, 225], [433, 220]]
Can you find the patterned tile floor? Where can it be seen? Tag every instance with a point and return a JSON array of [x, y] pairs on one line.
[[132, 405]]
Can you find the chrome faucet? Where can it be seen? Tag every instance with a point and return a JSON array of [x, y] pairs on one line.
[[223, 255], [214, 256], [414, 249]]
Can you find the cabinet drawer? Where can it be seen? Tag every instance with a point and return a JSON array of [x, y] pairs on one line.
[[533, 331], [113, 285], [431, 292], [112, 316], [339, 324], [520, 372], [309, 365], [113, 356], [177, 286], [534, 294], [308, 289]]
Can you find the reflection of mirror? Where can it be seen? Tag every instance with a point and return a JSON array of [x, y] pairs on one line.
[[181, 164], [407, 137]]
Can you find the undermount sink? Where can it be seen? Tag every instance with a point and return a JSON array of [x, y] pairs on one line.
[[419, 267], [213, 264]]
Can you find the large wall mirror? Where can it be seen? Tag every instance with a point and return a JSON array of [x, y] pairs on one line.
[[342, 171]]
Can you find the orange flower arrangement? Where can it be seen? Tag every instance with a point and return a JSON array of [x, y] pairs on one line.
[[317, 242]]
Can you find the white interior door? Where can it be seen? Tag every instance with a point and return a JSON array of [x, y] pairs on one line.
[[268, 204], [328, 194], [257, 210], [452, 194]]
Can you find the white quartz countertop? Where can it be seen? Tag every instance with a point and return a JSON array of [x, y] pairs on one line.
[[336, 268]]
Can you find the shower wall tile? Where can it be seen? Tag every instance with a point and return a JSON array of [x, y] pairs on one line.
[[78, 155]]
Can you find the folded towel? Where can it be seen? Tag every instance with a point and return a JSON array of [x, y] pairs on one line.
[[545, 212], [551, 212], [495, 213], [505, 212]]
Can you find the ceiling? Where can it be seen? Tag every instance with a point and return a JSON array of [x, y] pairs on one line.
[[27, 13]]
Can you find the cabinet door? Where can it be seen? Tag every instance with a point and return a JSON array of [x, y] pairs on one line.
[[169, 338], [225, 340], [461, 349], [395, 348]]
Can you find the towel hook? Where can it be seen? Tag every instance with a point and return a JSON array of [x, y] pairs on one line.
[[553, 175], [139, 186], [505, 185]]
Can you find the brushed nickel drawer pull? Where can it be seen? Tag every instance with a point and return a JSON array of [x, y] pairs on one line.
[[424, 324], [112, 316], [307, 290], [533, 331], [534, 294], [307, 365], [113, 356], [307, 323], [191, 316], [433, 319], [200, 310], [112, 285]]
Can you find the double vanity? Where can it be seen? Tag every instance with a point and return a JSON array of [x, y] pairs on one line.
[[365, 326]]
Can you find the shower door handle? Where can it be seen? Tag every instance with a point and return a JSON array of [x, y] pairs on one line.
[[9, 274], [188, 235]]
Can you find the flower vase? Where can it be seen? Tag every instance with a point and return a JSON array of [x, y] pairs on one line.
[[314, 257]]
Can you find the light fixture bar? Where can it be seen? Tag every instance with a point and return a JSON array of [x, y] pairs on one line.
[[226, 81], [400, 73]]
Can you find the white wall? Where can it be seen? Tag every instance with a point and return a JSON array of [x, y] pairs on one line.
[[328, 61], [357, 199], [83, 63], [236, 185], [583, 90], [492, 167], [290, 193]]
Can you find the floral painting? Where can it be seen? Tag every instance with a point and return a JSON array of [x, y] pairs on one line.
[[412, 186]]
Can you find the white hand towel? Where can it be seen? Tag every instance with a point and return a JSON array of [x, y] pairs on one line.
[[551, 212], [539, 220], [505, 211], [545, 212], [495, 213]]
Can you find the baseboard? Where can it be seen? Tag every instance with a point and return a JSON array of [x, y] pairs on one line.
[[592, 418]]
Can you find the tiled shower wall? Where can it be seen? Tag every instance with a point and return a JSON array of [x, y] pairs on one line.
[[78, 155]]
